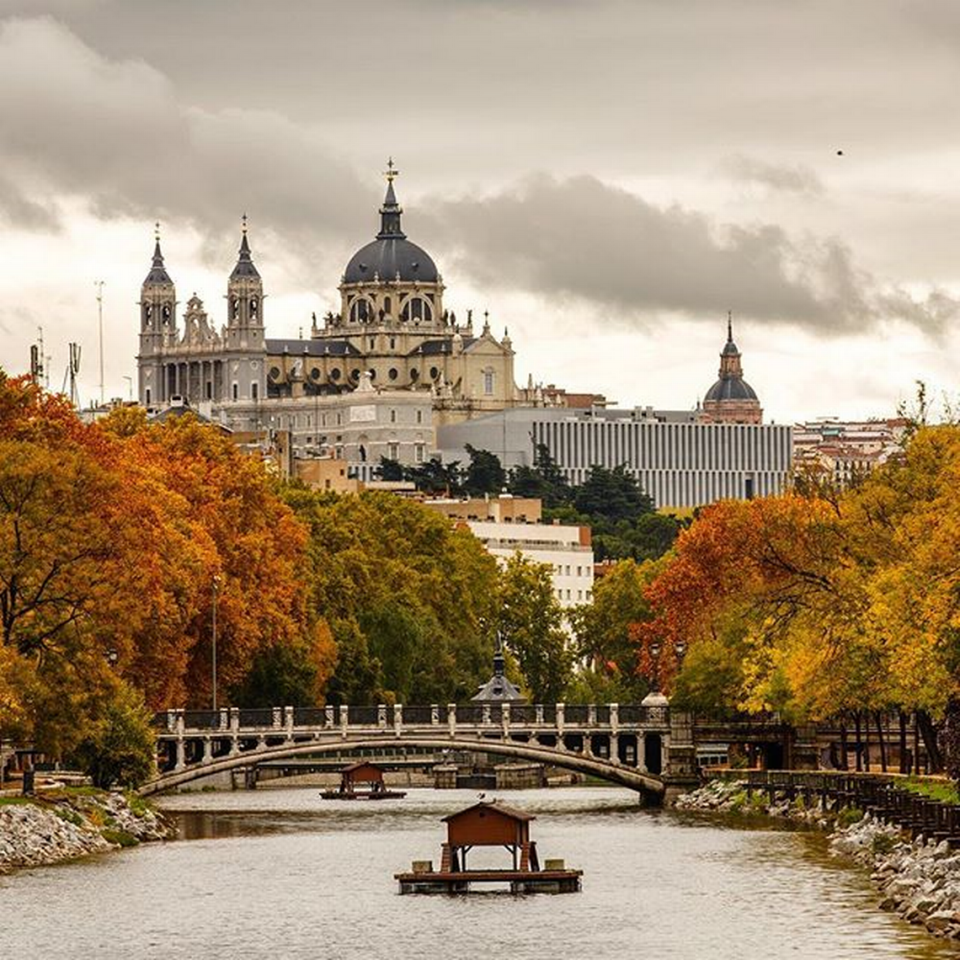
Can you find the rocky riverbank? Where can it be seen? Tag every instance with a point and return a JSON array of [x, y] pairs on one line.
[[919, 881], [63, 824]]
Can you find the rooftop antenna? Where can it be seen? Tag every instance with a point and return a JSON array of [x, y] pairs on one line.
[[38, 362], [99, 285], [70, 376]]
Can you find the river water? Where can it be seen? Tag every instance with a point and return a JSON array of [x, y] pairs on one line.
[[278, 873]]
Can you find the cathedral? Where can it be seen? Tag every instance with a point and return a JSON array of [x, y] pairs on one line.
[[375, 380], [371, 381]]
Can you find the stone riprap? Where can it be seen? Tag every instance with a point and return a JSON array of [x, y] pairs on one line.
[[732, 796], [62, 826], [918, 880]]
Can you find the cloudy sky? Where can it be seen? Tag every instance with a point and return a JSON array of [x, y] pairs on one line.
[[606, 177]]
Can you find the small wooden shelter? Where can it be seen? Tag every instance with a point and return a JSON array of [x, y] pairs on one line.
[[362, 781], [489, 824]]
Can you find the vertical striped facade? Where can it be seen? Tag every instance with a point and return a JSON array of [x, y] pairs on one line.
[[677, 464]]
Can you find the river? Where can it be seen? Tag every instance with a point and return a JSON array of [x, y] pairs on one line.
[[278, 873]]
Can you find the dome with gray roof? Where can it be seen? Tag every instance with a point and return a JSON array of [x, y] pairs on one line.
[[391, 256], [731, 388]]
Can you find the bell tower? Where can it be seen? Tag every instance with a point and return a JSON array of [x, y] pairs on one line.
[[244, 340], [158, 328]]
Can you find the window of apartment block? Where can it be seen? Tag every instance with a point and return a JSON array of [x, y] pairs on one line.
[[394, 449], [419, 453]]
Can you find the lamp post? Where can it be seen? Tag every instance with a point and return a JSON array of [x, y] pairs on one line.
[[655, 657], [213, 658]]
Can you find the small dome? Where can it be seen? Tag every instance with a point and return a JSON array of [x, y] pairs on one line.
[[730, 388], [388, 257]]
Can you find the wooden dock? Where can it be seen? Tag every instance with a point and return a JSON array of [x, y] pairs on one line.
[[517, 881]]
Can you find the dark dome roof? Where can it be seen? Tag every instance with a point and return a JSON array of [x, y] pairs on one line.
[[730, 388], [389, 256]]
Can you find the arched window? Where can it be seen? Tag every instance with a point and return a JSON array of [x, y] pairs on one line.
[[488, 381], [361, 311], [416, 309]]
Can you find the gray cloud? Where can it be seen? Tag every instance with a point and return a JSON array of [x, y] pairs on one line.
[[121, 134], [20, 211], [749, 170], [581, 238], [115, 133]]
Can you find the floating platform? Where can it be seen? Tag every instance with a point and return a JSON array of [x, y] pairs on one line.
[[362, 794], [518, 881]]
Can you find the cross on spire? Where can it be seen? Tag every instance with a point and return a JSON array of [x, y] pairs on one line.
[[243, 221], [391, 173], [729, 325], [156, 231]]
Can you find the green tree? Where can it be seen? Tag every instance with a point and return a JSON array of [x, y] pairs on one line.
[[612, 494], [407, 596], [603, 628], [544, 480], [484, 473], [391, 470], [530, 620], [119, 748], [435, 477]]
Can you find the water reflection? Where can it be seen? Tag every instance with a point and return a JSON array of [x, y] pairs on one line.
[[281, 873]]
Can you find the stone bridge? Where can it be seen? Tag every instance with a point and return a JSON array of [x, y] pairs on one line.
[[646, 747]]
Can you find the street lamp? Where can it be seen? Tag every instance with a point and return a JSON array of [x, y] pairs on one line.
[[213, 658], [655, 657]]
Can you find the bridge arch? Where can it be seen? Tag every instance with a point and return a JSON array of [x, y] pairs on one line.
[[650, 786]]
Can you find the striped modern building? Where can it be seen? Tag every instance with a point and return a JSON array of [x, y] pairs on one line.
[[678, 459]]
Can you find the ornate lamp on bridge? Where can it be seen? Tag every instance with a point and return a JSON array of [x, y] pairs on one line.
[[655, 698]]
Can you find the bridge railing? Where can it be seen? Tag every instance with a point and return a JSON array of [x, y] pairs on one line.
[[390, 716]]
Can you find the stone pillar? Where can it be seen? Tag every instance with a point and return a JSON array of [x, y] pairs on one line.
[[181, 754], [505, 720], [276, 717], [680, 772], [398, 719], [435, 714], [382, 716], [344, 721], [452, 719], [235, 720], [560, 719], [223, 721], [614, 718], [539, 711], [328, 717], [592, 715], [288, 718], [207, 750], [803, 753], [615, 748], [179, 723]]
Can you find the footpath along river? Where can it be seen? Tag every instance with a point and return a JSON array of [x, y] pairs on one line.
[[278, 874]]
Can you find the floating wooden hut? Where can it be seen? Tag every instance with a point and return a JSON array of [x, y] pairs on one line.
[[362, 781], [489, 824]]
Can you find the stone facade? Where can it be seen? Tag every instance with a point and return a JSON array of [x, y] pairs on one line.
[[393, 341]]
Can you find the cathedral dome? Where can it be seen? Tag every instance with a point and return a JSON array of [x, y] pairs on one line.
[[731, 388], [391, 256]]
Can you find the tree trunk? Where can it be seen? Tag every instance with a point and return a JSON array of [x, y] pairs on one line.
[[929, 733], [882, 742], [904, 766], [949, 739], [858, 746], [916, 745], [844, 761], [866, 741]]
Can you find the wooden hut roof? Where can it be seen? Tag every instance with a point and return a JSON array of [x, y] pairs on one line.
[[495, 806], [360, 765]]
